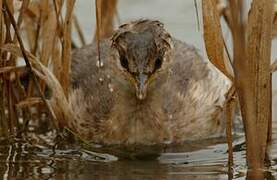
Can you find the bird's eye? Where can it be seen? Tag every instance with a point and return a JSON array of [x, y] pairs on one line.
[[158, 64], [124, 62]]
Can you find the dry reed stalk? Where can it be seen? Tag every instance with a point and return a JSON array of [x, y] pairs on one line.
[[58, 4], [7, 69], [13, 99], [22, 10], [197, 15], [20, 17], [213, 37], [60, 107], [32, 25], [269, 125], [48, 28], [48, 36], [11, 18], [252, 48], [56, 60], [215, 47], [29, 102], [34, 48], [57, 53], [274, 27], [274, 66], [36, 36], [98, 4], [3, 120], [106, 11], [259, 56], [7, 83], [32, 22], [230, 105], [66, 51]]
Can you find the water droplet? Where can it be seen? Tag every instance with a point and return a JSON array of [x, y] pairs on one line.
[[101, 79], [99, 63], [20, 120], [110, 86], [140, 96], [167, 142], [108, 76]]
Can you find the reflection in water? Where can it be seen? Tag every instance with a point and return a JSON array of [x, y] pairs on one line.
[[22, 160]]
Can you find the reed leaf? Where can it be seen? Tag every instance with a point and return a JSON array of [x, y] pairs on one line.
[[214, 41], [48, 36], [274, 26], [66, 51], [252, 48], [106, 11], [258, 56], [58, 104], [229, 108], [98, 4], [8, 69], [274, 66], [29, 102]]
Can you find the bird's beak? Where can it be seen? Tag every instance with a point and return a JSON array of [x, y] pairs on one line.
[[141, 87]]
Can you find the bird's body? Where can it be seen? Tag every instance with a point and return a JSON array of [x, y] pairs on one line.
[[183, 99]]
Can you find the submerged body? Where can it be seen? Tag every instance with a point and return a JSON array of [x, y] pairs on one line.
[[128, 99]]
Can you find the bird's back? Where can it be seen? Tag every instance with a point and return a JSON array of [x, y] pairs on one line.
[[91, 95]]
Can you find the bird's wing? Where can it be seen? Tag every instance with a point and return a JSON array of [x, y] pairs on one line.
[[187, 67], [199, 90], [90, 96]]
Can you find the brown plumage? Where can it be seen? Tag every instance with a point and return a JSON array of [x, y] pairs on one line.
[[148, 88]]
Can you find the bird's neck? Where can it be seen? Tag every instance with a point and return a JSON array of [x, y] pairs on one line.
[[135, 121]]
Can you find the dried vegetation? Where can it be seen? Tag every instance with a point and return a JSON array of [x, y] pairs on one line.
[[251, 62], [38, 32], [46, 33]]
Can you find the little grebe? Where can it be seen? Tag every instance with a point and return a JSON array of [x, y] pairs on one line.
[[148, 88]]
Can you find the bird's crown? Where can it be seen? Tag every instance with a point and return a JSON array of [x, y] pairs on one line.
[[144, 49]]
